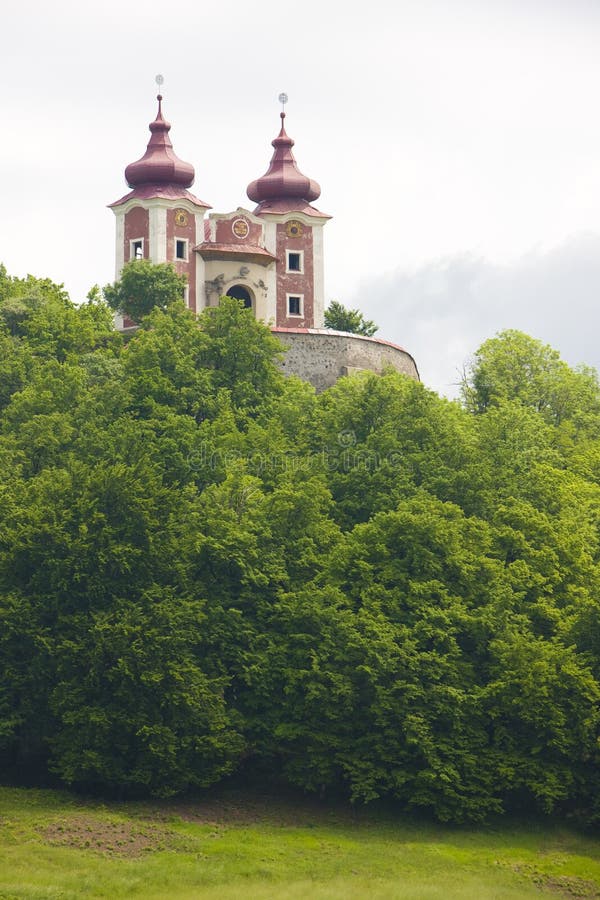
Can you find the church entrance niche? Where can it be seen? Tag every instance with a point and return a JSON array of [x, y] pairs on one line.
[[239, 292]]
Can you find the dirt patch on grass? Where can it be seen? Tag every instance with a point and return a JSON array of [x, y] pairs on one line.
[[111, 838], [563, 885]]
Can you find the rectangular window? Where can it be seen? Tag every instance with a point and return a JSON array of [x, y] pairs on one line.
[[294, 305], [181, 249], [295, 261], [136, 249]]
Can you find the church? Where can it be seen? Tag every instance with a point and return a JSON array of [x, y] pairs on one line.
[[270, 258]]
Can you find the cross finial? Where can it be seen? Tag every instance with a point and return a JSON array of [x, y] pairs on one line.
[[283, 99]]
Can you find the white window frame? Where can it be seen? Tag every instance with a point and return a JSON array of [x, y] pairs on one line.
[[291, 315], [185, 242], [186, 294], [132, 244], [299, 271]]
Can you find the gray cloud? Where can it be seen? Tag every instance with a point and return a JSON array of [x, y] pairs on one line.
[[443, 310]]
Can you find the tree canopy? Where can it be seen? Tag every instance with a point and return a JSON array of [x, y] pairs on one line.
[[144, 286], [340, 318], [207, 568]]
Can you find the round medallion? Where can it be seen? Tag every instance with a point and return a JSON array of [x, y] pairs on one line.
[[240, 228], [181, 217], [294, 229]]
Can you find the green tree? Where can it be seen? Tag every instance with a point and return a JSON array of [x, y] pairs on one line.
[[514, 366], [163, 366], [542, 702], [135, 711], [241, 354], [41, 319], [372, 681], [340, 318], [144, 286], [383, 437]]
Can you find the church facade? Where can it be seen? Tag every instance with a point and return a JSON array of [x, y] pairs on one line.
[[271, 258]]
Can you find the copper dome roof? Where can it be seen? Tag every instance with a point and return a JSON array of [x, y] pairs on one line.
[[160, 165], [283, 180]]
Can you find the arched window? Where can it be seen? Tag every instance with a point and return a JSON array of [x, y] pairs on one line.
[[239, 292]]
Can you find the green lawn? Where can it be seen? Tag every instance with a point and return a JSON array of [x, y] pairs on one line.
[[54, 846]]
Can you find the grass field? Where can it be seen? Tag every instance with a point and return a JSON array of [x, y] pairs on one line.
[[55, 846]]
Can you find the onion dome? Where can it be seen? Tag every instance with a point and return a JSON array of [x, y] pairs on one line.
[[160, 165], [283, 181]]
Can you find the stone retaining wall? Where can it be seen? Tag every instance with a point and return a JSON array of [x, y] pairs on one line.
[[321, 356]]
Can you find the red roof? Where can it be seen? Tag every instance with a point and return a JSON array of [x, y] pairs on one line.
[[249, 252], [284, 206], [283, 182], [148, 191], [160, 172]]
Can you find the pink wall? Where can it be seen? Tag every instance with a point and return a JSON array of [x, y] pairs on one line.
[[225, 233], [136, 226], [177, 231], [295, 282]]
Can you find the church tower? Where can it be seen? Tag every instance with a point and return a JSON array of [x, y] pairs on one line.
[[293, 233], [159, 219]]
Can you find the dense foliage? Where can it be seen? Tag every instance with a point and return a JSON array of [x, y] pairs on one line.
[[143, 287], [206, 568]]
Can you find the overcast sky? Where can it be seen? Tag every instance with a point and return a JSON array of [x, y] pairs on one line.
[[457, 144]]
